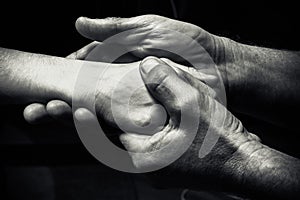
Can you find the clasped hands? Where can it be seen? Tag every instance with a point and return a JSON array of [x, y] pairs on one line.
[[176, 87]]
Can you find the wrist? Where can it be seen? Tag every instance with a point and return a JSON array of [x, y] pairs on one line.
[[233, 71], [227, 55], [66, 81], [54, 78]]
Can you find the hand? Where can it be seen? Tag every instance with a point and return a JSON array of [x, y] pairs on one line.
[[223, 163], [59, 110], [238, 163], [176, 94], [37, 112], [150, 35]]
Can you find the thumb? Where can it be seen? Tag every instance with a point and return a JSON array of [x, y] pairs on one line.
[[168, 88], [82, 53], [100, 29]]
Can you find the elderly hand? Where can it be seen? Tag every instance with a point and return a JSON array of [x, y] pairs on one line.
[[178, 96], [238, 163], [150, 33], [193, 112], [153, 35]]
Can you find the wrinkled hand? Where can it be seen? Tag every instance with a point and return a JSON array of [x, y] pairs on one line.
[[177, 90], [231, 131], [153, 35], [150, 33]]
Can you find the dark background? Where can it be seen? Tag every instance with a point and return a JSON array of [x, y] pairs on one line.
[[43, 162]]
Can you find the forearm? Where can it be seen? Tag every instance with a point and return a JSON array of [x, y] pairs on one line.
[[263, 82], [27, 77], [264, 173]]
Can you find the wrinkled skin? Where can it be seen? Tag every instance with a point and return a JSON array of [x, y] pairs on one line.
[[150, 33], [177, 90], [219, 163]]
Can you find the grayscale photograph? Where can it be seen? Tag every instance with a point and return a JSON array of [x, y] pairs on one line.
[[149, 100]]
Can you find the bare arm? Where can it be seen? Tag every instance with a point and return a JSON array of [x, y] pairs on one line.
[[27, 77], [264, 173], [262, 82]]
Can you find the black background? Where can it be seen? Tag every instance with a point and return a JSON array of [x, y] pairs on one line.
[[48, 26], [40, 161]]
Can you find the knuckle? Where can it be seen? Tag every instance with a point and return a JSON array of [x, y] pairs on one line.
[[162, 80]]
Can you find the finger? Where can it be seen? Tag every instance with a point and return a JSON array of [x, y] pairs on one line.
[[208, 79], [85, 116], [134, 142], [105, 52], [196, 83], [36, 113], [100, 29], [82, 53], [202, 82], [166, 86], [60, 111]]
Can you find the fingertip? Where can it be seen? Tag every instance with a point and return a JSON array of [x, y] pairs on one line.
[[154, 71], [80, 22], [147, 64], [72, 56], [84, 115], [57, 108], [150, 59], [35, 113]]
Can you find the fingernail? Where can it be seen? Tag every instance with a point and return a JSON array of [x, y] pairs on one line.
[[148, 64]]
